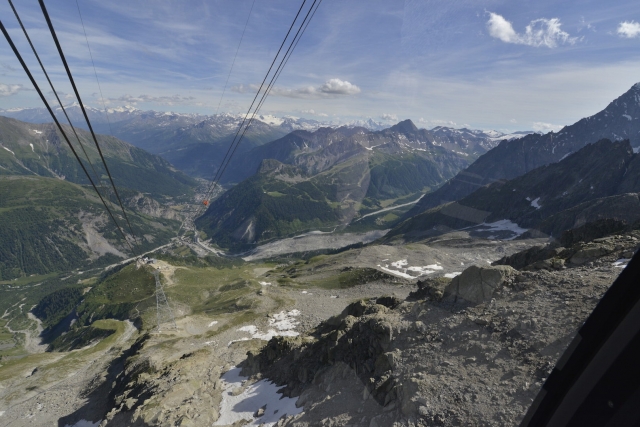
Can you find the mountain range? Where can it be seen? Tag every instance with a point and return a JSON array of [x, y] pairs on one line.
[[333, 177], [599, 181], [511, 158], [327, 178], [196, 143]]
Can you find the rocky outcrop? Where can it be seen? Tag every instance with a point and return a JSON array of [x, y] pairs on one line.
[[477, 284], [591, 231], [432, 289], [359, 337], [151, 207], [555, 257], [429, 361]]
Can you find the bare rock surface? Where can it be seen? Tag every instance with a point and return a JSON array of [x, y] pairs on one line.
[[434, 361]]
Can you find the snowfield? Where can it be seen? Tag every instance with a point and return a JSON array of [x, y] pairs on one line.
[[245, 405]]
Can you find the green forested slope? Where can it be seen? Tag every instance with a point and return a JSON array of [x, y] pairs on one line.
[[46, 225]]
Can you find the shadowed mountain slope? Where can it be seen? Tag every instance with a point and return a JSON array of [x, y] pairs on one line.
[[619, 120]]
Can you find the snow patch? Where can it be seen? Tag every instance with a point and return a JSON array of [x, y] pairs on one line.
[[265, 283], [452, 275], [8, 149], [505, 225], [271, 120], [252, 329], [31, 145], [397, 273], [400, 263], [628, 117], [280, 324], [535, 203], [622, 262], [215, 322], [242, 407]]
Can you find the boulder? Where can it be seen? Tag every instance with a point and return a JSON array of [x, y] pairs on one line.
[[477, 284], [591, 252]]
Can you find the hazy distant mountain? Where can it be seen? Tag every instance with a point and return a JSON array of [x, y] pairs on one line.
[[38, 149], [196, 144], [302, 148], [601, 180], [620, 120]]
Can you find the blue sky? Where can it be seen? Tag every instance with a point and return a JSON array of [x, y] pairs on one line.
[[507, 65]]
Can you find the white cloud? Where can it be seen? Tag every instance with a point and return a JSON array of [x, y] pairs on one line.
[[545, 127], [389, 117], [162, 100], [330, 89], [629, 29], [339, 87], [314, 113], [539, 32], [513, 121], [8, 90]]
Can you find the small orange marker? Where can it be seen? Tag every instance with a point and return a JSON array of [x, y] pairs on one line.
[[205, 202]]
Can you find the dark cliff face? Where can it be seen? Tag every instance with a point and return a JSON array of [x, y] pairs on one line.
[[599, 181], [620, 120]]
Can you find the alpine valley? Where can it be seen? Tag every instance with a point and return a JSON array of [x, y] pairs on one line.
[[341, 274]]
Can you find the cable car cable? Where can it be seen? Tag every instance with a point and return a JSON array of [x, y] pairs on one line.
[[283, 62], [104, 106], [257, 93], [234, 57], [24, 30], [55, 119], [294, 48], [84, 112], [286, 57], [269, 86], [233, 146]]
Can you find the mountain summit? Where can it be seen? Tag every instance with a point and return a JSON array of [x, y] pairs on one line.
[[405, 126]]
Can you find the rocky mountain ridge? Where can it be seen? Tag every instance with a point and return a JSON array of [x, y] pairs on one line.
[[194, 142], [601, 180], [439, 357], [618, 121]]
